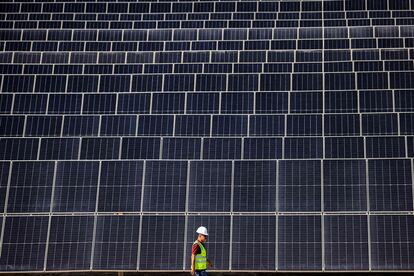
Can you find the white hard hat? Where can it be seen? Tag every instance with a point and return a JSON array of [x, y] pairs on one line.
[[202, 230]]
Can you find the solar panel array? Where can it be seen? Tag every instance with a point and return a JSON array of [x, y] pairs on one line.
[[284, 127]]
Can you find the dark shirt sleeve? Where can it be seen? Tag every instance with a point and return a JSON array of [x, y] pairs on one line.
[[196, 249]]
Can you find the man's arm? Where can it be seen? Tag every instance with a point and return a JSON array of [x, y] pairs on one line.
[[192, 264]]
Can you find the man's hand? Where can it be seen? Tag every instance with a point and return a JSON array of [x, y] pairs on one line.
[[210, 264], [192, 271]]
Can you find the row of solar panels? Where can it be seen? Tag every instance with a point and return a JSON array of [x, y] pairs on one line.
[[336, 45], [242, 61], [208, 6], [207, 186], [241, 242], [207, 34], [204, 24], [208, 57], [107, 68], [303, 16], [211, 103], [206, 149], [364, 101], [173, 148], [207, 82]]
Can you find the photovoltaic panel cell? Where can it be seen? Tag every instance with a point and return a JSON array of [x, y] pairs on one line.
[[116, 242], [19, 148], [221, 148], [392, 242], [165, 186], [254, 247], [390, 185], [76, 186], [210, 186], [12, 125], [299, 243], [120, 186], [59, 148], [344, 185], [30, 187], [299, 185], [254, 186], [168, 244], [346, 242], [70, 242], [24, 243], [4, 176]]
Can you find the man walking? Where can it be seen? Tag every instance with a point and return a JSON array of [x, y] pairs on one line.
[[199, 254]]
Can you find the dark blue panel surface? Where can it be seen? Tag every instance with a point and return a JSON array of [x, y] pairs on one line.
[[304, 125], [181, 148], [344, 185], [253, 243], [202, 103], [64, 104], [346, 242], [229, 125], [342, 125], [165, 186], [19, 148], [165, 103], [167, 245], [76, 186], [268, 102], [306, 102], [120, 186], [237, 102], [133, 103], [299, 243], [43, 126], [222, 148], [379, 124], [116, 242], [390, 185], [12, 125], [59, 148], [100, 148], [299, 148], [267, 125], [254, 186], [118, 125], [385, 147], [344, 147], [27, 104], [392, 242], [299, 185], [70, 243], [376, 101], [407, 123], [155, 125], [24, 243], [80, 125], [4, 177], [210, 186], [30, 187], [99, 103], [262, 148], [141, 148]]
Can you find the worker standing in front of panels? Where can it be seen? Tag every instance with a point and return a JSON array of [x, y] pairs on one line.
[[199, 259]]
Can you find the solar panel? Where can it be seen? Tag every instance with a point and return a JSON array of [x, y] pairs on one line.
[[286, 127]]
